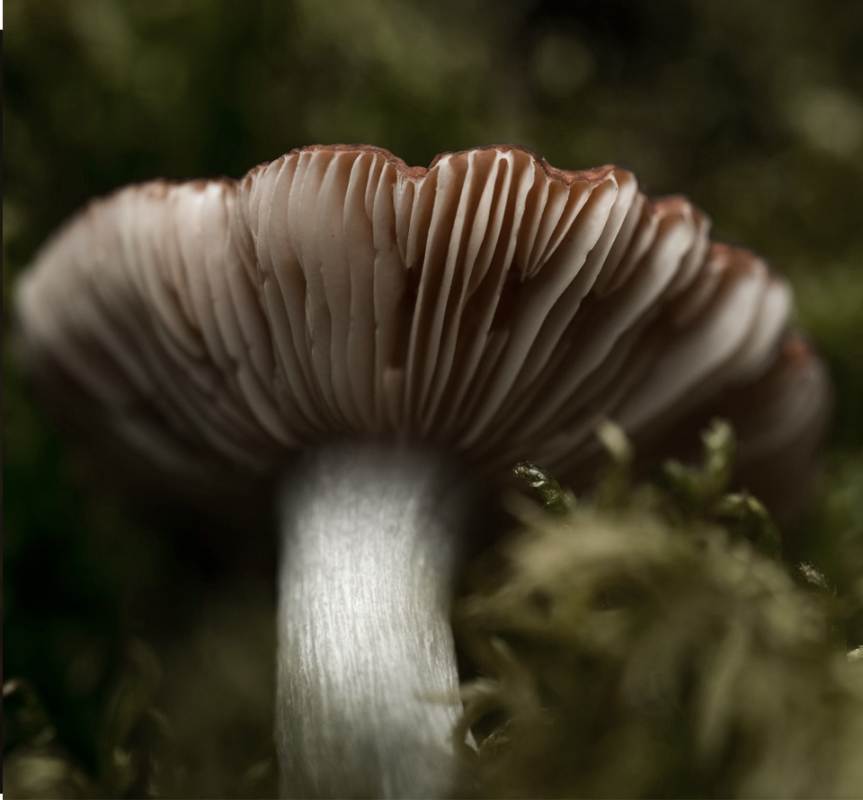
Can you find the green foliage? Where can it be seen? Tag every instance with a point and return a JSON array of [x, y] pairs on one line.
[[702, 493], [558, 501], [25, 720], [647, 649], [196, 722]]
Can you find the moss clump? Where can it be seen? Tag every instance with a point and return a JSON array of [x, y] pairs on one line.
[[651, 647]]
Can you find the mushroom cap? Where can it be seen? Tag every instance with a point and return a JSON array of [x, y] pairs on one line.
[[490, 303]]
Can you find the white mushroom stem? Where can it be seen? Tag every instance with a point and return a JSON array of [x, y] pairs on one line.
[[367, 693]]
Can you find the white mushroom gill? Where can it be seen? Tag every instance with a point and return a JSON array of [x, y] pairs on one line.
[[490, 305]]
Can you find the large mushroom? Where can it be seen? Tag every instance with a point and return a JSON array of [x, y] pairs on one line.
[[402, 328]]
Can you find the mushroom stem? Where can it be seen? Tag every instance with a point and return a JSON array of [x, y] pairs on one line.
[[367, 693]]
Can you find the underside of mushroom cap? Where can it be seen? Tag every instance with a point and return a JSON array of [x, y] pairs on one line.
[[490, 303]]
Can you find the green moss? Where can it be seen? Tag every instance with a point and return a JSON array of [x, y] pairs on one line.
[[649, 649]]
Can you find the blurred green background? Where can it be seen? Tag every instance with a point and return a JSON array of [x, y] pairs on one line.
[[752, 109]]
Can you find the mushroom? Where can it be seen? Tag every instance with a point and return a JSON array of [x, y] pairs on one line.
[[402, 328]]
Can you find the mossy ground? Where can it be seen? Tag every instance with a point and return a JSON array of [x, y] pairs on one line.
[[644, 642]]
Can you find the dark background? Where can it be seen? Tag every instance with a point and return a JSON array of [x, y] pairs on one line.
[[752, 109]]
